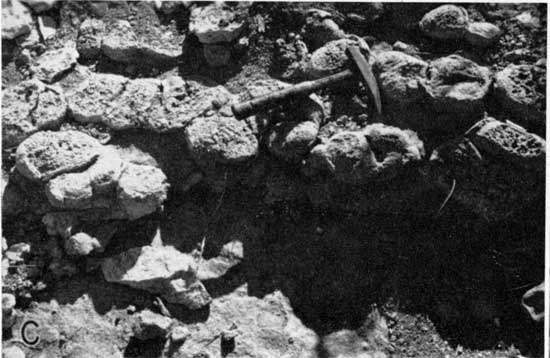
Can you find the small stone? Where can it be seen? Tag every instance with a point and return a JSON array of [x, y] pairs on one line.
[[217, 55], [332, 57], [528, 20], [447, 22], [190, 293], [12, 352], [405, 48], [52, 64], [81, 244], [292, 140], [45, 155], [151, 325], [16, 252], [8, 303], [179, 334], [16, 19], [533, 302], [216, 23], [482, 34], [90, 37]]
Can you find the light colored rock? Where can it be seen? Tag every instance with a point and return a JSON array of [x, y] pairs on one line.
[[515, 91], [220, 139], [332, 57], [12, 352], [47, 27], [399, 76], [81, 244], [217, 55], [447, 22], [90, 38], [188, 292], [141, 190], [28, 107], [179, 334], [457, 85], [533, 302], [528, 20], [16, 19], [28, 40], [16, 252], [40, 5], [262, 328], [231, 255], [149, 268], [121, 42], [151, 325], [482, 34], [8, 303], [216, 23], [51, 64], [292, 140], [46, 154]]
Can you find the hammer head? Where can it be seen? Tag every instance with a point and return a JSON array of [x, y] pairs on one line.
[[365, 70]]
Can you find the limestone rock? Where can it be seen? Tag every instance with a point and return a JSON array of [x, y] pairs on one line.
[[151, 325], [533, 302], [332, 57], [400, 76], [447, 22], [217, 55], [90, 37], [515, 92], [457, 85], [292, 140], [188, 292], [217, 23], [40, 5], [29, 107], [482, 34], [261, 328], [141, 190], [51, 64], [149, 268], [220, 139], [16, 19], [46, 154]]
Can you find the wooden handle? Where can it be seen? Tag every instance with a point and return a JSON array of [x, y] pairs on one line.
[[245, 109]]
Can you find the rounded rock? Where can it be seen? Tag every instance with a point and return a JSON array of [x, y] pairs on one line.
[[332, 57], [292, 140], [482, 34], [447, 22], [81, 244]]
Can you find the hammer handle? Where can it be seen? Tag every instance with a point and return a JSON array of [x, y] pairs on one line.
[[245, 109]]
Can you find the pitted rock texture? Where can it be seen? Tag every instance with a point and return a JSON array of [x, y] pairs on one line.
[[121, 103], [332, 57], [457, 85], [220, 139], [46, 154], [399, 76], [16, 19], [263, 328], [52, 64], [216, 23], [447, 22], [29, 107], [291, 57], [90, 38], [515, 91], [497, 168]]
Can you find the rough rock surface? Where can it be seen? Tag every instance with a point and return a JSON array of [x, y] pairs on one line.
[[16, 19], [515, 91], [447, 22], [90, 38], [320, 28], [264, 328], [215, 267], [151, 325], [120, 103], [332, 57], [292, 140], [216, 23], [482, 34], [220, 139], [29, 107], [52, 64], [46, 154]]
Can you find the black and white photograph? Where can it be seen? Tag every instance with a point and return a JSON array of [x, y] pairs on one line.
[[273, 179]]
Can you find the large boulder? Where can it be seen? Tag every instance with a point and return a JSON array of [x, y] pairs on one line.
[[217, 22], [332, 57], [515, 90], [447, 22], [54, 63], [28, 107], [16, 19], [46, 154], [220, 139]]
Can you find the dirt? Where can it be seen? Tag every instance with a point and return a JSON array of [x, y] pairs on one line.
[[448, 285]]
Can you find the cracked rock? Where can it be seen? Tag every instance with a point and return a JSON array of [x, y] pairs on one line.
[[29, 107], [46, 154], [217, 22], [151, 325], [515, 91], [221, 139], [51, 64], [16, 19], [332, 57], [447, 22]]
